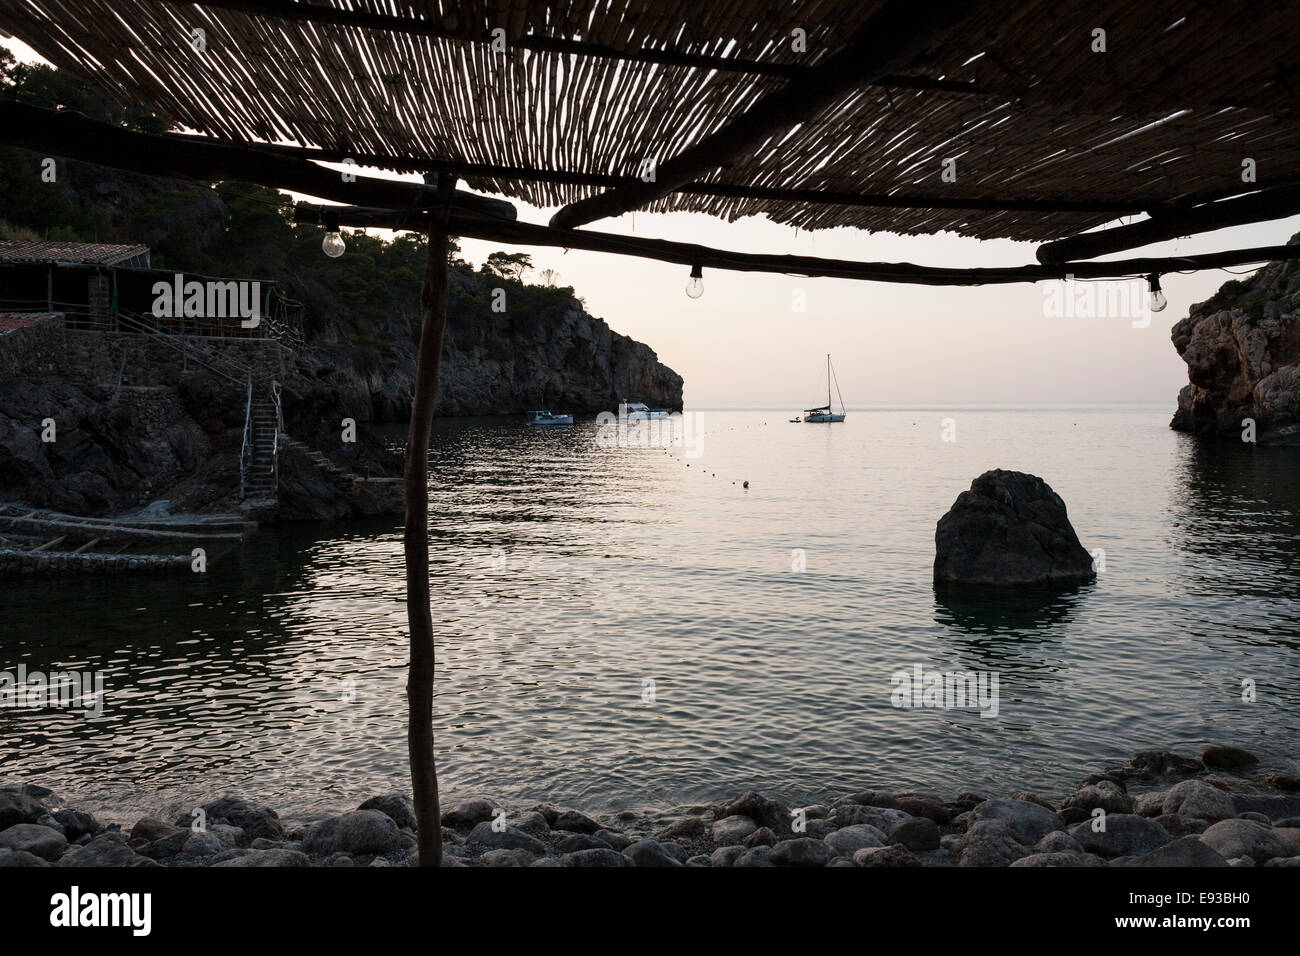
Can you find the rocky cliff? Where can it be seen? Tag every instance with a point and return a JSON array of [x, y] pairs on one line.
[[1242, 350], [132, 424], [94, 424], [541, 350]]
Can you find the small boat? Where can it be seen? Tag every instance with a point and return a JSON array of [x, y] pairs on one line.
[[640, 410], [823, 413], [795, 420], [544, 417]]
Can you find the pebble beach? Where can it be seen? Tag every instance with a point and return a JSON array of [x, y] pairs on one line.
[[1160, 809]]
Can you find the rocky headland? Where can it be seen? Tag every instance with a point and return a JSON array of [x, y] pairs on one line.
[[1242, 349], [136, 421], [1160, 809], [544, 350]]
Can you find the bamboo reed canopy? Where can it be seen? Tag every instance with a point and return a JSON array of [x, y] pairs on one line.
[[556, 103], [819, 114]]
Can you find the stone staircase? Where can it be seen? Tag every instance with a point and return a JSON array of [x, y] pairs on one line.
[[334, 490], [261, 478], [318, 459]]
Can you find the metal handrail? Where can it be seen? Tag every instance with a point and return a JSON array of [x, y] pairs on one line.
[[234, 371], [279, 427], [245, 449]]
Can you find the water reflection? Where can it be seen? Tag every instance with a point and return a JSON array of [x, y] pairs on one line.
[[1240, 505], [999, 611], [1234, 518]]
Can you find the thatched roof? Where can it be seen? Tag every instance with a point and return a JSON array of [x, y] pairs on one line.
[[1015, 94]]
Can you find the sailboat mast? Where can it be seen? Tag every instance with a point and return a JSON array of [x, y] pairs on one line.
[[828, 382]]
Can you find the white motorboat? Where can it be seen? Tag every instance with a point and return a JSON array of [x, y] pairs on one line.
[[824, 413], [629, 410], [544, 417]]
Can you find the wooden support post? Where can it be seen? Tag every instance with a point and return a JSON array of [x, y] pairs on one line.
[[419, 683]]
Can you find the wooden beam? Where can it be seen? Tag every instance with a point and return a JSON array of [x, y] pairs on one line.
[[891, 40], [74, 136], [604, 180], [1261, 206], [419, 682], [689, 254], [182, 156], [315, 13]]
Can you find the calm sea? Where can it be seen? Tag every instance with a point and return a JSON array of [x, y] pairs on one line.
[[628, 626]]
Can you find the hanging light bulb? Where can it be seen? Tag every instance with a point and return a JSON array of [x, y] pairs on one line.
[[695, 287], [1156, 300], [332, 245]]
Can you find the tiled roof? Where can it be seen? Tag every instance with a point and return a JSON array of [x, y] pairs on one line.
[[82, 253], [9, 321]]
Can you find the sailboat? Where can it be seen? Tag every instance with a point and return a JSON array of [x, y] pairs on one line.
[[824, 413]]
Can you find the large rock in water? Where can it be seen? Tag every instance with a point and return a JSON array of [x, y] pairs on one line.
[[1009, 528], [1242, 349]]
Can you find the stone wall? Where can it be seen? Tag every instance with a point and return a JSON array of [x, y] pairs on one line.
[[37, 349], [96, 358], [167, 432]]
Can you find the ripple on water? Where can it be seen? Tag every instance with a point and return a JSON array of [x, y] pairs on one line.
[[614, 628]]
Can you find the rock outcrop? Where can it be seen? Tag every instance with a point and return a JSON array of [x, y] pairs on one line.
[[132, 422], [542, 351], [1242, 350], [1010, 528]]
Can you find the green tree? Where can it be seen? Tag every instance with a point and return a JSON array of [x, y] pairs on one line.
[[512, 266]]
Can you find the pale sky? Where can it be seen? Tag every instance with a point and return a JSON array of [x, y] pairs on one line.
[[742, 342]]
